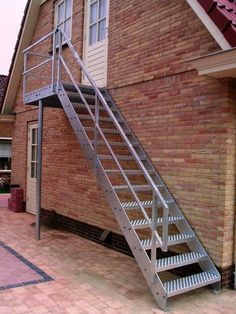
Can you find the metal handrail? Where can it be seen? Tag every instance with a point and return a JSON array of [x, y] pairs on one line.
[[110, 148], [138, 160], [57, 56], [103, 101], [39, 41], [37, 66]]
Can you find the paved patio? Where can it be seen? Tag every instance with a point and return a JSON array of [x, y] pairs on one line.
[[4, 200], [88, 278]]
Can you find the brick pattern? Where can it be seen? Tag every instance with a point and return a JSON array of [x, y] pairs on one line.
[[89, 278], [118, 242], [185, 123], [15, 202], [6, 129]]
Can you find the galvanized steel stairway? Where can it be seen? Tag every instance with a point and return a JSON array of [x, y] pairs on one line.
[[127, 206], [156, 230]]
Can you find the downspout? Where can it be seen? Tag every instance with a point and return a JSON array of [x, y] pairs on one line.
[[234, 249]]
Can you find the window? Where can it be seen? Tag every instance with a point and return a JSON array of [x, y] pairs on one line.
[[63, 16], [33, 157], [5, 154], [97, 21]]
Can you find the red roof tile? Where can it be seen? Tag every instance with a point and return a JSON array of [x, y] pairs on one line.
[[223, 14]]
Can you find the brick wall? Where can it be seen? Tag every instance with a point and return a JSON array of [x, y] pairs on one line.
[[186, 123], [6, 129]]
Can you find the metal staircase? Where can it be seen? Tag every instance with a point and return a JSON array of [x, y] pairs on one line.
[[157, 232]]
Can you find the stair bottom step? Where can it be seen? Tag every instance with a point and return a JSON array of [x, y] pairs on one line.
[[181, 285]]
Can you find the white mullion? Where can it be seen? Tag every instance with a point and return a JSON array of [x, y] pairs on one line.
[[98, 2]]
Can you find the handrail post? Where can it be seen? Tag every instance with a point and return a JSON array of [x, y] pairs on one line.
[[154, 228], [165, 229], [59, 60], [96, 124], [24, 75], [53, 60]]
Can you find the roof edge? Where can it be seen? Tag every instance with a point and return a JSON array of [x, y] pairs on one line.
[[24, 38], [209, 24]]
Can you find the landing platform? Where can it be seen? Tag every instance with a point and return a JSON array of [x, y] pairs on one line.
[[46, 94]]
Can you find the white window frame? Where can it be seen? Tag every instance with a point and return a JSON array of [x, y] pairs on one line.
[[56, 24], [97, 21]]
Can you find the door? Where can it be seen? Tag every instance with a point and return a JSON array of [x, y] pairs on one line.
[[96, 40], [32, 167]]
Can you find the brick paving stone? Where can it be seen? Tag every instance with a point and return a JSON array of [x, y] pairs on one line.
[[88, 278]]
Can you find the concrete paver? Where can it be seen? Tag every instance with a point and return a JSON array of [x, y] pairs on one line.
[[4, 200], [88, 278]]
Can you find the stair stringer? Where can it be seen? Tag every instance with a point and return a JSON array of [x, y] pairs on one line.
[[183, 226], [130, 234]]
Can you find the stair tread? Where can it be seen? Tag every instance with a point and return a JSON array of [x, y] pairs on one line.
[[145, 204], [128, 171], [107, 119], [82, 106], [69, 87], [124, 157], [113, 131], [181, 285], [172, 239], [139, 223], [179, 260], [114, 143], [136, 187]]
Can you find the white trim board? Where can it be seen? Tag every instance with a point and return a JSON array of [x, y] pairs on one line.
[[209, 24]]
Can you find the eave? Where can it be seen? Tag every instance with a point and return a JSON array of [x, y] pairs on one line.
[[218, 65], [8, 118]]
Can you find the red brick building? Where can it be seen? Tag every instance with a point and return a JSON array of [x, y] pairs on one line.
[[170, 68]]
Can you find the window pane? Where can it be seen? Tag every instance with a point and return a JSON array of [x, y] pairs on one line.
[[102, 9], [34, 136], [93, 34], [102, 30], [33, 153], [68, 8], [93, 12], [32, 170], [67, 27], [61, 13]]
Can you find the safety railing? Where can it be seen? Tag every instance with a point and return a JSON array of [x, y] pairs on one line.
[[58, 62]]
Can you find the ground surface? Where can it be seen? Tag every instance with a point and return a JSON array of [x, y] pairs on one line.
[[4, 200], [88, 278]]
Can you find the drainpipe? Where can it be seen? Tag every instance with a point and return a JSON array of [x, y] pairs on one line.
[[234, 248]]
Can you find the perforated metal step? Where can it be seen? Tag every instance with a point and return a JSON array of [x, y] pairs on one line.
[[172, 240], [182, 285], [142, 223], [128, 171], [83, 106], [104, 119], [75, 98], [120, 144], [120, 157], [171, 262], [145, 204], [137, 187], [111, 131]]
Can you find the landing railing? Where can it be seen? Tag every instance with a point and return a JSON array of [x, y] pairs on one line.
[[56, 62]]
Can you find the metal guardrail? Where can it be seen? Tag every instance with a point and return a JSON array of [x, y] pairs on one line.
[[57, 60]]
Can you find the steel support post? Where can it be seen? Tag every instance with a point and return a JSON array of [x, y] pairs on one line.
[[154, 228], [39, 170]]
